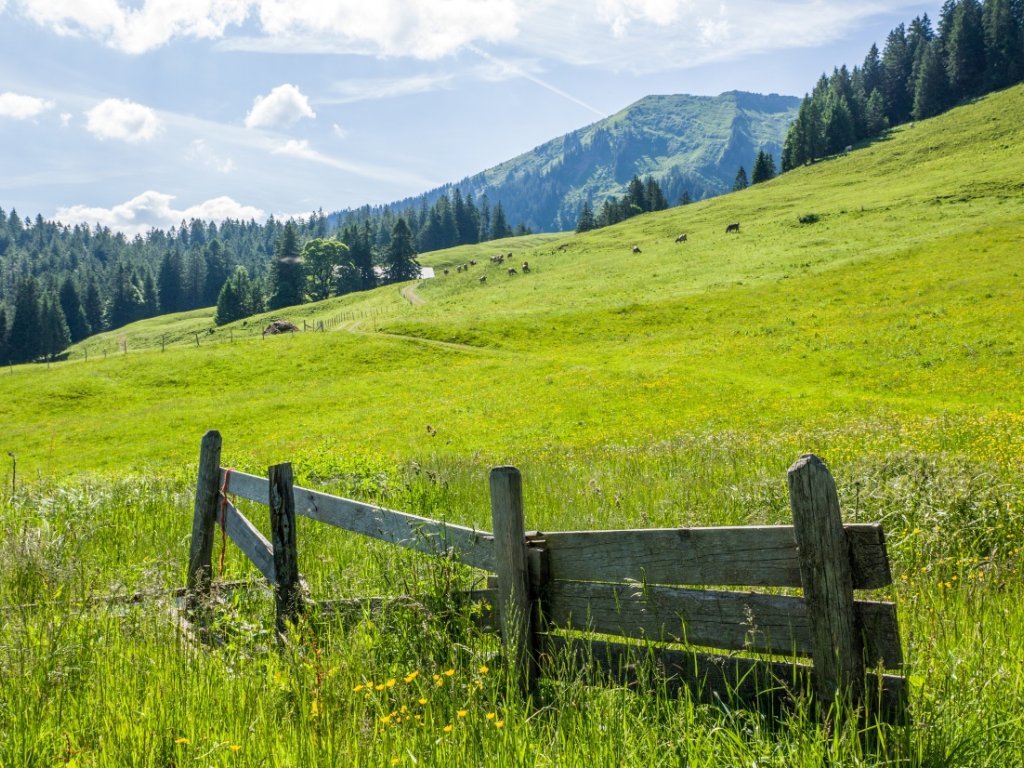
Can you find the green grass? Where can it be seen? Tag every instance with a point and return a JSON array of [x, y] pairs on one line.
[[668, 388]]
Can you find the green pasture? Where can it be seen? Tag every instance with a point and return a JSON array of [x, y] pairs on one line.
[[670, 387]]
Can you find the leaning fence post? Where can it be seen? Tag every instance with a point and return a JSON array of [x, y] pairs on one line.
[[827, 580], [514, 609], [200, 567], [288, 594]]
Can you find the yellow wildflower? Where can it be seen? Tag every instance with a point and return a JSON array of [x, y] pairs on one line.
[[182, 740], [447, 728], [462, 712], [411, 676]]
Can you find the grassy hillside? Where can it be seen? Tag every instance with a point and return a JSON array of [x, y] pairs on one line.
[[901, 299], [868, 310]]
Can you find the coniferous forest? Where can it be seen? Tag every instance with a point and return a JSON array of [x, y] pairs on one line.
[[922, 70]]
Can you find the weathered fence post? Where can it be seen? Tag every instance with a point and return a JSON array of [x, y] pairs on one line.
[[288, 594], [200, 567], [827, 580], [510, 551]]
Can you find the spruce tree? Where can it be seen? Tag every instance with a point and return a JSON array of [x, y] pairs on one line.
[[965, 51], [4, 358], [499, 226], [400, 258], [875, 120], [170, 282], [235, 299], [931, 92], [1004, 53], [286, 274], [54, 334], [586, 221], [741, 180], [24, 341], [93, 306], [896, 68], [655, 197], [764, 168], [74, 312]]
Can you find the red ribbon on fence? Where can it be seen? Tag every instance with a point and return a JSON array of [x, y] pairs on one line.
[[223, 517]]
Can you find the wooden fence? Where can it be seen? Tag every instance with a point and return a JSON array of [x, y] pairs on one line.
[[573, 594]]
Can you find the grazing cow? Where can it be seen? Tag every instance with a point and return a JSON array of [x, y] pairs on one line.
[[636, 249], [446, 271], [734, 227], [526, 267], [472, 263], [483, 278], [681, 238], [512, 271]]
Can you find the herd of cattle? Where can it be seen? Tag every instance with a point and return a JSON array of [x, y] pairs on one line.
[[500, 258]]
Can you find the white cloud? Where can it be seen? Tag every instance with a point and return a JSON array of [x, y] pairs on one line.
[[633, 35], [21, 107], [123, 120], [136, 29], [424, 29], [65, 119], [339, 131], [283, 105], [619, 13], [154, 210], [201, 152]]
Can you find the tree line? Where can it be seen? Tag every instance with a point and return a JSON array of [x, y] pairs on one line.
[[60, 284], [319, 268], [641, 197], [921, 71]]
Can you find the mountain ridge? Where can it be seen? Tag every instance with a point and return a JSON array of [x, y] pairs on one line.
[[692, 144]]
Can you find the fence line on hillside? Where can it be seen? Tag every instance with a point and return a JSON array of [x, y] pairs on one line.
[[570, 594], [212, 334]]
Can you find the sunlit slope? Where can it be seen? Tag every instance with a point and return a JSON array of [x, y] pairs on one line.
[[902, 299]]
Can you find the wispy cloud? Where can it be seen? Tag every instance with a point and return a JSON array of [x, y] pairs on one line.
[[512, 69], [302, 150], [368, 89], [21, 107], [123, 120], [201, 152]]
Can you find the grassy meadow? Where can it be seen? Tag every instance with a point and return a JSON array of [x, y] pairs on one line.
[[869, 311]]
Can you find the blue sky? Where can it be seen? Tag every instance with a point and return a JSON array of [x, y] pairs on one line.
[[139, 113]]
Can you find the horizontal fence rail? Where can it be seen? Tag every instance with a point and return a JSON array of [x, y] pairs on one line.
[[750, 556], [433, 537], [735, 621]]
